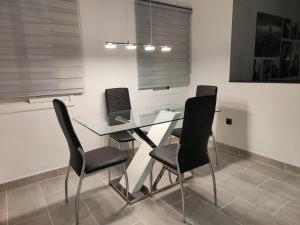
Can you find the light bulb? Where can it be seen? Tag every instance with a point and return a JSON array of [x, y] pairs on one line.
[[130, 46], [149, 48], [110, 45], [166, 49]]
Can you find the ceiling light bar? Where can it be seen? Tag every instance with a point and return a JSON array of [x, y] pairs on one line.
[[130, 46], [166, 48], [149, 48], [110, 45]]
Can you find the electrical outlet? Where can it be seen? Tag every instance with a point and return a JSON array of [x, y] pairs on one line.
[[228, 121]]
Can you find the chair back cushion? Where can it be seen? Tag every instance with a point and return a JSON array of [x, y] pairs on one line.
[[206, 90], [198, 118], [117, 102], [72, 139]]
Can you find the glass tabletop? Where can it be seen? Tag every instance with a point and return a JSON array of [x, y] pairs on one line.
[[131, 119]]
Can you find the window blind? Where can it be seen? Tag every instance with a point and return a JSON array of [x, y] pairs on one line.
[[170, 26], [40, 48]]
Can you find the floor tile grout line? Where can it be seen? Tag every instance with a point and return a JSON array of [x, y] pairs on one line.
[[273, 213], [228, 203], [292, 186], [46, 205], [83, 201], [213, 207], [265, 181], [277, 178], [261, 162], [137, 216], [6, 196], [257, 207], [172, 208], [89, 210], [278, 168]]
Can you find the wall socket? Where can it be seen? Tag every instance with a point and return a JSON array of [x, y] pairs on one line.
[[228, 121]]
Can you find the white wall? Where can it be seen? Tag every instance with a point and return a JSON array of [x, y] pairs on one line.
[[32, 142], [265, 116]]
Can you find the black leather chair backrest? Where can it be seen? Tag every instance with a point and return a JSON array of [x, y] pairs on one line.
[[206, 90], [198, 118], [72, 139], [117, 100]]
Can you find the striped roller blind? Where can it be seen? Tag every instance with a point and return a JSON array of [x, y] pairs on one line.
[[40, 48], [171, 26]]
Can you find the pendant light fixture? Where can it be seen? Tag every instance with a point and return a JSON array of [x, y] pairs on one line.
[[131, 45], [110, 45], [150, 47]]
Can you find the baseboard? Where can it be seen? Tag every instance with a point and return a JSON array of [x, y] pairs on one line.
[[259, 158], [221, 147], [32, 179]]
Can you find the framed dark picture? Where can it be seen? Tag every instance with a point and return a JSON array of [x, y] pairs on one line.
[[265, 41], [268, 35]]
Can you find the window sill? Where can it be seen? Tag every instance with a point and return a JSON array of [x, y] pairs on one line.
[[34, 104]]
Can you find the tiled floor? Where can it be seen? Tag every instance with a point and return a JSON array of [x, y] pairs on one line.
[[249, 193]]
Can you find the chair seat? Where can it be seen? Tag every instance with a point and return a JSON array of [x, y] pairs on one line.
[[177, 132], [122, 136], [166, 154], [103, 158]]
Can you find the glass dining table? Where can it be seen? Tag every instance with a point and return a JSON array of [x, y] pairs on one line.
[[159, 121]]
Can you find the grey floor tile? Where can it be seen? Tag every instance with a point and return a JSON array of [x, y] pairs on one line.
[[25, 203], [43, 219], [227, 167], [139, 223], [247, 214], [204, 173], [248, 176], [90, 184], [88, 220], [108, 208], [289, 213], [3, 208], [201, 213], [284, 190], [115, 172], [205, 192], [153, 211], [54, 185], [171, 196], [266, 201], [238, 161], [63, 213], [284, 176]]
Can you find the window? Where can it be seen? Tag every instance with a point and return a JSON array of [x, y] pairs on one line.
[[40, 49], [170, 26]]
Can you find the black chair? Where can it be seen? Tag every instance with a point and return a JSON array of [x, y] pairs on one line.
[[202, 90], [86, 163], [117, 100], [191, 152]]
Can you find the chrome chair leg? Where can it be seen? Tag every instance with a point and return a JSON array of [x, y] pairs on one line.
[[77, 200], [214, 182], [127, 184], [151, 178], [132, 149], [108, 168], [215, 147], [66, 183], [182, 194]]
